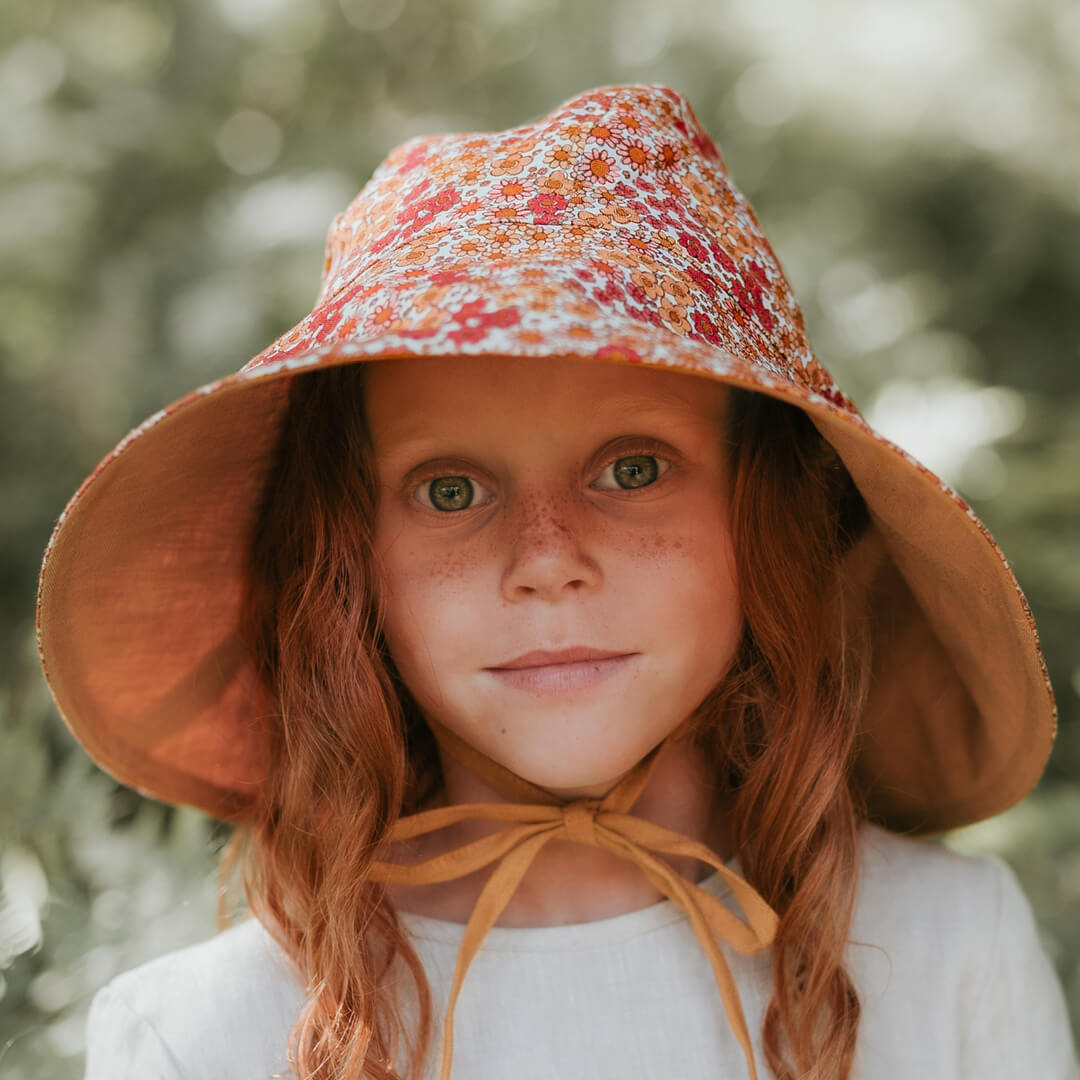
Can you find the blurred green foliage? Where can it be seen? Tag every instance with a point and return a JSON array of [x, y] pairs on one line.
[[169, 172]]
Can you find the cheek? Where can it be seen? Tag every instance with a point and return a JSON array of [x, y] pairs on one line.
[[688, 578], [429, 597]]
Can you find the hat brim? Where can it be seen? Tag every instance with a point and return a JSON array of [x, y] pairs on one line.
[[140, 592]]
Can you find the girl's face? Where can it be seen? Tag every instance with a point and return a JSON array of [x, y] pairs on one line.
[[547, 504]]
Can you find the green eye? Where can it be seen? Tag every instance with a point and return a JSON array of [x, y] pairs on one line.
[[635, 472], [450, 492]]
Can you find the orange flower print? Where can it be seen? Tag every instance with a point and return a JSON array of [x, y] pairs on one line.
[[511, 189], [535, 239], [627, 118], [704, 192], [417, 254], [430, 298], [667, 156], [510, 164], [598, 166], [576, 133], [636, 155], [676, 289], [621, 214], [469, 247], [647, 283], [603, 134], [560, 156], [675, 316], [383, 318], [498, 238], [558, 182], [592, 221]]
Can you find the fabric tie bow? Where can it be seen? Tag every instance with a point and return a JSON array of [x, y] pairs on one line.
[[539, 817]]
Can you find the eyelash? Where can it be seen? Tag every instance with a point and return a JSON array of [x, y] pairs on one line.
[[640, 450]]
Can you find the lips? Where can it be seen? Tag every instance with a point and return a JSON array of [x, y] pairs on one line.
[[545, 657]]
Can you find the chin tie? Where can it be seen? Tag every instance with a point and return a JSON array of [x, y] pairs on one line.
[[538, 817]]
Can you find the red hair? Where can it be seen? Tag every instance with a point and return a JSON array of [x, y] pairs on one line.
[[351, 751]]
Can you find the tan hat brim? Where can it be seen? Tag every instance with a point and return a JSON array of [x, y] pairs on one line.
[[140, 588]]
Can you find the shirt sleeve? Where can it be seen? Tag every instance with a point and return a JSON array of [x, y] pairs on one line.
[[121, 1044], [1018, 1024]]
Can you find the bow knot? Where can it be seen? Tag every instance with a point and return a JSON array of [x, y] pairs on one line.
[[579, 821], [542, 816]]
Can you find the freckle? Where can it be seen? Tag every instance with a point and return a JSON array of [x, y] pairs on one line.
[[655, 546]]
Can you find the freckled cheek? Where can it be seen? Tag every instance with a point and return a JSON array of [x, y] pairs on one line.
[[431, 594], [682, 577]]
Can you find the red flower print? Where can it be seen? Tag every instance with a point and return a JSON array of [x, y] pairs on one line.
[[475, 322], [421, 214], [703, 281], [706, 328], [837, 397], [413, 194], [618, 352], [693, 246], [385, 240], [703, 144], [645, 315], [447, 277], [748, 293], [722, 257], [611, 293], [415, 157], [546, 208], [758, 271]]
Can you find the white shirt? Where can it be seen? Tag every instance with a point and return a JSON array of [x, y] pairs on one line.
[[953, 981]]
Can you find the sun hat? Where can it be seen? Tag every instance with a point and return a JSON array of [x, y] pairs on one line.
[[608, 230]]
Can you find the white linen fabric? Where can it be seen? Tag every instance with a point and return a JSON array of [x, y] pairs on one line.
[[952, 977]]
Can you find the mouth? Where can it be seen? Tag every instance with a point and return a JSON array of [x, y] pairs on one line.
[[565, 677], [546, 657]]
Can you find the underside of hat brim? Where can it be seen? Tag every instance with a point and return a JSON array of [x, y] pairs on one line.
[[140, 592]]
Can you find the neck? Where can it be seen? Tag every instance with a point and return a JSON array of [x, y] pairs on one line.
[[571, 883]]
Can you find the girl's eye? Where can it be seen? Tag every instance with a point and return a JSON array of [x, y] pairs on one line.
[[638, 470], [447, 494]]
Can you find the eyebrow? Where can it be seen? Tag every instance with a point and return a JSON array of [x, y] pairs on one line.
[[626, 412]]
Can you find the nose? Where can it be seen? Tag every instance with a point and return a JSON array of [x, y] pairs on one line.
[[548, 550]]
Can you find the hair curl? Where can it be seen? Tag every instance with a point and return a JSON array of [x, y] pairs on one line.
[[781, 728]]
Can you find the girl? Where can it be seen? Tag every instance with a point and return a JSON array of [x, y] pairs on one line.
[[570, 655]]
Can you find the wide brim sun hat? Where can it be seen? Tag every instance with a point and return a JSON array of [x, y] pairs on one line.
[[608, 230]]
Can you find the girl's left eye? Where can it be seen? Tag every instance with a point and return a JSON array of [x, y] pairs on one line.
[[449, 493], [634, 471]]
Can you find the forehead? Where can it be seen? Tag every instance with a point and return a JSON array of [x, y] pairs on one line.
[[411, 398]]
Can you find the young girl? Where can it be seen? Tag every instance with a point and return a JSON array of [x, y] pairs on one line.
[[570, 655]]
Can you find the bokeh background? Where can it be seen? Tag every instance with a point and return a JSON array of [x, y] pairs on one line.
[[169, 170]]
